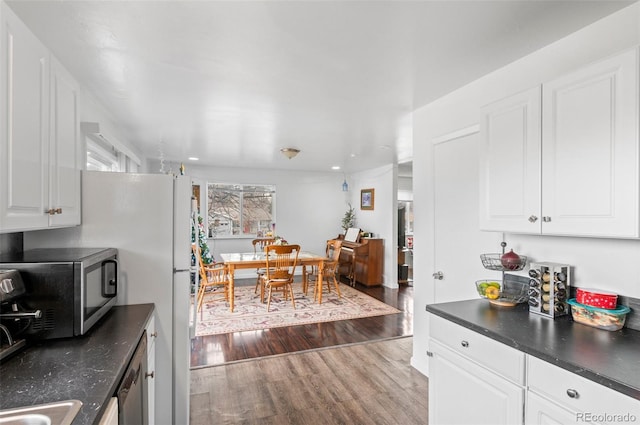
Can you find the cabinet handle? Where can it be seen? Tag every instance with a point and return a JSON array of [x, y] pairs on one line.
[[429, 354], [150, 374], [465, 344], [546, 219], [573, 393], [54, 211], [438, 275], [155, 334], [533, 218]]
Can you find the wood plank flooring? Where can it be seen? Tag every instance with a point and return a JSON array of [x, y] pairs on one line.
[[220, 349], [367, 383]]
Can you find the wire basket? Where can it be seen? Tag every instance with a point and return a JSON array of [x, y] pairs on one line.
[[494, 262]]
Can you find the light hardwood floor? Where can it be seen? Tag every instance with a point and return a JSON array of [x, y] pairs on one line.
[[364, 383]]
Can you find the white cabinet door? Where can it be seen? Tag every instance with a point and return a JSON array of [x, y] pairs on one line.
[[65, 157], [24, 115], [151, 369], [510, 164], [464, 392], [590, 150], [541, 411]]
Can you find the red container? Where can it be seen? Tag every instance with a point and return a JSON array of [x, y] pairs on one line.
[[596, 298]]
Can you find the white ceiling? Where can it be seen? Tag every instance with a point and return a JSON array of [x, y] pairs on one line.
[[232, 82]]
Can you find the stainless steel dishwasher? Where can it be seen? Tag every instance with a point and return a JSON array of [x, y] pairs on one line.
[[132, 392]]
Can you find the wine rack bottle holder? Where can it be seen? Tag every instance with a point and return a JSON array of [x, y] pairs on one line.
[[549, 286]]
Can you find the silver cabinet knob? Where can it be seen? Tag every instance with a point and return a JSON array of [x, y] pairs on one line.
[[438, 275], [572, 393], [533, 218]]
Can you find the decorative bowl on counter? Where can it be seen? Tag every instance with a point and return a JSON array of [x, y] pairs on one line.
[[506, 294], [498, 263], [607, 319]]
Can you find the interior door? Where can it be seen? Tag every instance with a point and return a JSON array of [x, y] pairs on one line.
[[457, 237]]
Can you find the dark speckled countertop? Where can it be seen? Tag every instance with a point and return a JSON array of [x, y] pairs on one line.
[[608, 358], [88, 368]]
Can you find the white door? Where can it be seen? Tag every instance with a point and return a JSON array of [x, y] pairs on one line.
[[457, 237]]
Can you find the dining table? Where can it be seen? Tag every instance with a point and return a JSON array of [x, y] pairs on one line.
[[256, 260]]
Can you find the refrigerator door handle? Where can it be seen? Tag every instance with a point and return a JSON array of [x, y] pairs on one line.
[[180, 270]]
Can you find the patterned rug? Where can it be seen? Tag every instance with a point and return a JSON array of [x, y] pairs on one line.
[[250, 315]]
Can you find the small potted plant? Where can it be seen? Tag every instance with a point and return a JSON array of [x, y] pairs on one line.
[[349, 219]]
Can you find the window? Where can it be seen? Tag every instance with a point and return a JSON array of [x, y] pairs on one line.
[[235, 210]]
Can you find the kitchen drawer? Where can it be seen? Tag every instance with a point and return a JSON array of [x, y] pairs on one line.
[[494, 355], [589, 398]]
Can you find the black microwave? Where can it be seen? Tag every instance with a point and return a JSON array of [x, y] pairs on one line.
[[72, 287]]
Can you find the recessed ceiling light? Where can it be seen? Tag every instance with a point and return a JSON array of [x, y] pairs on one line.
[[193, 158], [335, 167]]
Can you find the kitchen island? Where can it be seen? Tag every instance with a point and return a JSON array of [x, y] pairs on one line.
[[87, 368], [611, 359]]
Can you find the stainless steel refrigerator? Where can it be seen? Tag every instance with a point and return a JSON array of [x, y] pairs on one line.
[[147, 217]]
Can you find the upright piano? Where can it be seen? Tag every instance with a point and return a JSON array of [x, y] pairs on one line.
[[362, 261]]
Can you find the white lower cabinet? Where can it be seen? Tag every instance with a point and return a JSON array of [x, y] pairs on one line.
[[542, 411], [556, 395], [151, 369], [464, 387]]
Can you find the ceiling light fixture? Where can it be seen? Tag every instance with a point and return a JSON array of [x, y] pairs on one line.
[[290, 152]]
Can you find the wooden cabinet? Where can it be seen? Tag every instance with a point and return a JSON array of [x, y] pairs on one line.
[[472, 379], [562, 159], [39, 145], [365, 258]]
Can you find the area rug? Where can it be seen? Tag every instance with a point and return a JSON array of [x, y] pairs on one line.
[[250, 314]]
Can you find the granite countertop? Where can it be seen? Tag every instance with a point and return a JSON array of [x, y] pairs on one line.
[[608, 358], [87, 368]]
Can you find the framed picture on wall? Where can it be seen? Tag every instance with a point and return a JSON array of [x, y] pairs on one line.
[[366, 199]]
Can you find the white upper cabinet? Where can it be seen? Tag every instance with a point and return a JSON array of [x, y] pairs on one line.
[[24, 139], [590, 150], [563, 159], [510, 164], [65, 157], [39, 142]]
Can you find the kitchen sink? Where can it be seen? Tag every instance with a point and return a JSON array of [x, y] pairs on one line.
[[58, 413]]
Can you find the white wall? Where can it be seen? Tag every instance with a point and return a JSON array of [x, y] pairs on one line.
[[309, 205], [460, 109], [382, 221]]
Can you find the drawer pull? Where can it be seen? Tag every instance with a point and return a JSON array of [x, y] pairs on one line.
[[151, 374], [465, 344], [572, 393], [155, 334]]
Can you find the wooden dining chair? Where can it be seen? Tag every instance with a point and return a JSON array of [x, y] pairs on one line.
[[329, 271], [258, 246], [214, 279], [281, 263]]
